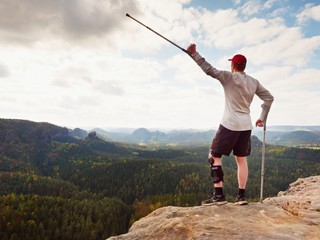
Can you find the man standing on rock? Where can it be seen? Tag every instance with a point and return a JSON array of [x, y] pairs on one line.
[[234, 133]]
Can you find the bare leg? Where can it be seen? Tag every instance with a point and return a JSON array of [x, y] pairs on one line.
[[242, 171]]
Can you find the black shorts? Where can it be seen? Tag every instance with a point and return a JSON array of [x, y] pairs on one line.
[[227, 140]]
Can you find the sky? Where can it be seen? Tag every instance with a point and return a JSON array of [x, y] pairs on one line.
[[83, 63]]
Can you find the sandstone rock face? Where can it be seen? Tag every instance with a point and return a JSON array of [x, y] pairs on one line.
[[293, 214], [301, 199]]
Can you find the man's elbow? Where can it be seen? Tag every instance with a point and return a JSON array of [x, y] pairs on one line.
[[271, 98], [268, 101]]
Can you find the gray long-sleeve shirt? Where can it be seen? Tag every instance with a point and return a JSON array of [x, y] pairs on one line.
[[239, 89]]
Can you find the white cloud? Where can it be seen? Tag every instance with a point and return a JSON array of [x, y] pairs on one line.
[[310, 12], [251, 7], [83, 63], [3, 71], [236, 2], [289, 47], [30, 21], [268, 4], [216, 27], [294, 89], [225, 29]]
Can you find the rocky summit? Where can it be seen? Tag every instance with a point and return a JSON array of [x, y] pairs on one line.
[[292, 214]]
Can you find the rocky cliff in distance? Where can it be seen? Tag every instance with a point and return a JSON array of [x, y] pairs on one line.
[[293, 214]]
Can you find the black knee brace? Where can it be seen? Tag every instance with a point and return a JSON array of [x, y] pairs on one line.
[[216, 174], [211, 161]]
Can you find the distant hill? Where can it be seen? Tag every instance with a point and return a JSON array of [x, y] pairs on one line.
[[291, 138], [143, 135], [27, 136], [278, 135], [288, 128], [24, 130], [14, 130]]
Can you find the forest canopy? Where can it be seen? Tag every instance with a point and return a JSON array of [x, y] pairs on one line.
[[57, 186]]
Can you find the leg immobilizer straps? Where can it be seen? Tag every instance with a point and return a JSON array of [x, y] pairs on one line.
[[216, 174]]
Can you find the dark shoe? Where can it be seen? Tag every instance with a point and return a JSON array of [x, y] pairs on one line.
[[241, 200], [215, 200]]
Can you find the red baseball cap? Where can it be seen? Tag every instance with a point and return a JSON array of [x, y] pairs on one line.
[[238, 58]]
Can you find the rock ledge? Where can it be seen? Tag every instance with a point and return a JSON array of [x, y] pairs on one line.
[[293, 214]]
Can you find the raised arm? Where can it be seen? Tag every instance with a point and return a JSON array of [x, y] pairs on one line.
[[205, 66]]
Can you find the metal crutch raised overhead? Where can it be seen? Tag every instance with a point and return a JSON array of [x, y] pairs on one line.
[[181, 48]]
